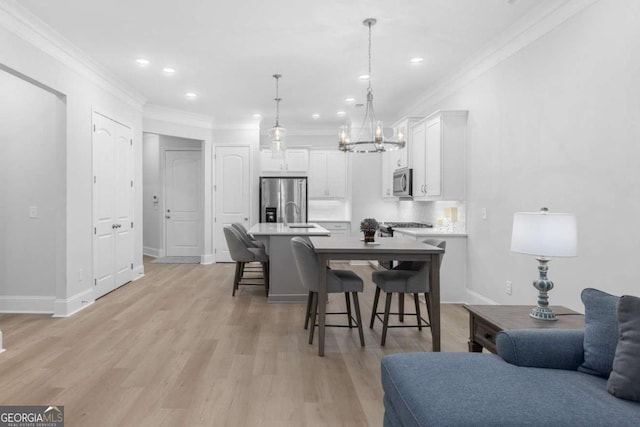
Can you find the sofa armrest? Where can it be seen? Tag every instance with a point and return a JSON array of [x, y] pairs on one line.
[[542, 348]]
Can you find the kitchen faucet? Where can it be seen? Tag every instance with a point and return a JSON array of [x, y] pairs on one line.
[[296, 209]]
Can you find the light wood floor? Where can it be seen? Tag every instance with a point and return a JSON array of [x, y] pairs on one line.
[[174, 348]]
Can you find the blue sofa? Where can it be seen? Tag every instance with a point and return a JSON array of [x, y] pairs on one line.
[[532, 381]]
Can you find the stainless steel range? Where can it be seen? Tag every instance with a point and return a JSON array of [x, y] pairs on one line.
[[386, 230]]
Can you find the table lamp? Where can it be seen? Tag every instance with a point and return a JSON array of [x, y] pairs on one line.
[[544, 235]]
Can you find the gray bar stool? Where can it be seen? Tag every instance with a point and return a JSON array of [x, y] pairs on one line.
[[409, 277], [338, 281], [242, 255]]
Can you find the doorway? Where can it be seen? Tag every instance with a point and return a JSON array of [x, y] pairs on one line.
[[173, 196]]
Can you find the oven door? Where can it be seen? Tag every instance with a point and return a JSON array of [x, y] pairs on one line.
[[402, 179]]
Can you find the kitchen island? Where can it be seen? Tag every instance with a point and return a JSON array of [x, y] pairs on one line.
[[284, 280]]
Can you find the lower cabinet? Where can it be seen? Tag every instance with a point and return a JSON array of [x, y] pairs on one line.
[[453, 271]]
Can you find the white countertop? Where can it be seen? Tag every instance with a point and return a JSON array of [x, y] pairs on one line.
[[279, 229], [428, 232], [329, 220]]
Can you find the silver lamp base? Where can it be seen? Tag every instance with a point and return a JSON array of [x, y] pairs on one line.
[[543, 285]]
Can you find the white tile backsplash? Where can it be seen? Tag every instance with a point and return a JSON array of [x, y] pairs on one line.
[[434, 213]]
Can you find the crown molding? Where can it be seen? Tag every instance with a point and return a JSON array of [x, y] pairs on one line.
[[24, 24], [180, 117], [540, 21]]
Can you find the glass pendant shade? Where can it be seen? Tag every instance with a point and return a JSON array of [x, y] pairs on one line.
[[277, 135]]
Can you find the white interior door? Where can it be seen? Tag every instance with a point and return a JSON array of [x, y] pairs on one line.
[[183, 206], [233, 180], [112, 204], [104, 215]]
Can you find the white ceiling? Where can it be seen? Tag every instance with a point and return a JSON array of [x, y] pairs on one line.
[[228, 51]]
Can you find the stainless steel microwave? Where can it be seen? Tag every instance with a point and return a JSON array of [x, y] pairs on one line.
[[402, 182]]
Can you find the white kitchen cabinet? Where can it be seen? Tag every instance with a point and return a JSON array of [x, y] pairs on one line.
[[295, 162], [453, 271], [438, 156], [327, 175], [396, 159]]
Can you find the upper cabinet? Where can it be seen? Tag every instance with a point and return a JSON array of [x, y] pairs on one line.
[[327, 175], [295, 162], [396, 159], [438, 146]]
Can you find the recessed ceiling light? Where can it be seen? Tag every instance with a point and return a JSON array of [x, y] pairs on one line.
[[142, 62], [341, 113], [315, 116], [169, 71], [191, 95], [257, 116], [350, 99], [416, 60], [364, 77]]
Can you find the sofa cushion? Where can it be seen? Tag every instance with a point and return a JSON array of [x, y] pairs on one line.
[[475, 389], [600, 332], [624, 381]]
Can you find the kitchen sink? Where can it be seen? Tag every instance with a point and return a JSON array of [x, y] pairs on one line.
[[301, 225]]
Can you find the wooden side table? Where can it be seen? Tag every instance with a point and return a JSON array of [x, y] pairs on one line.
[[485, 321]]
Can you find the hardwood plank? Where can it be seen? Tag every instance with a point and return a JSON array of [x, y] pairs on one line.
[[175, 348]]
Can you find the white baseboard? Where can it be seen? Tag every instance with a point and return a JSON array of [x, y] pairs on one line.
[[138, 272], [70, 306], [476, 298], [207, 259], [154, 252], [1, 347], [26, 304]]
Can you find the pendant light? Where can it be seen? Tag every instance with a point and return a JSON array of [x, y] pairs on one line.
[[278, 134], [371, 137]]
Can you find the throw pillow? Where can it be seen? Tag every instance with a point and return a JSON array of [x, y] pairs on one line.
[[624, 381], [600, 332]]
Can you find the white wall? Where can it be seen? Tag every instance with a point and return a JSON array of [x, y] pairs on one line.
[[35, 56], [32, 175], [558, 125]]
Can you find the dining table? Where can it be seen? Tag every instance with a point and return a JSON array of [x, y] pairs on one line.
[[350, 248]]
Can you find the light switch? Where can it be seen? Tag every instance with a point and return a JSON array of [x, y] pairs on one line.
[[33, 212]]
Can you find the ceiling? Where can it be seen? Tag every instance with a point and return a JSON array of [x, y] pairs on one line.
[[226, 52]]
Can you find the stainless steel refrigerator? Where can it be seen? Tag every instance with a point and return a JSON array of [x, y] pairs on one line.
[[283, 197]]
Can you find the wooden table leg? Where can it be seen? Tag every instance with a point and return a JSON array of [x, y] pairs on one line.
[[322, 301], [434, 293]]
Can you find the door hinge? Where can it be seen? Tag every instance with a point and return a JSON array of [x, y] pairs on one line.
[[131, 140], [132, 183], [131, 224], [215, 251], [94, 179], [95, 230], [95, 282], [132, 266], [94, 127], [215, 219], [215, 188]]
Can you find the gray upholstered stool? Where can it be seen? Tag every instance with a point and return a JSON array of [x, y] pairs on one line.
[[242, 254], [338, 281], [407, 278]]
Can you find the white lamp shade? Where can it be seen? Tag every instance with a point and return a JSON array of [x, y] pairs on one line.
[[545, 234]]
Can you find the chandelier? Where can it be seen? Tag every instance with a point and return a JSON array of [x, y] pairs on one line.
[[277, 134], [371, 137]]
